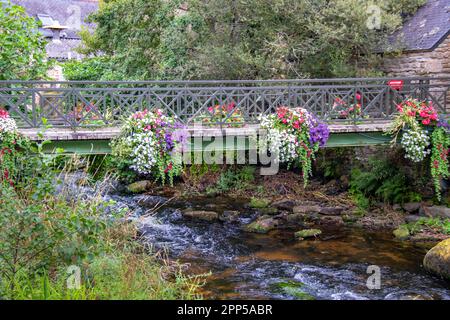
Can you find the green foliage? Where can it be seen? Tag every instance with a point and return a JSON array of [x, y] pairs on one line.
[[237, 178], [382, 180], [43, 231], [155, 39], [22, 49], [437, 224], [440, 141]]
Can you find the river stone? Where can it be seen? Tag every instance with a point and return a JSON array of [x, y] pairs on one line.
[[149, 200], [306, 209], [401, 233], [332, 211], [437, 260], [139, 186], [262, 225], [285, 204], [268, 211], [259, 203], [331, 221], [307, 233], [229, 216], [435, 212], [411, 218], [411, 206], [201, 215]]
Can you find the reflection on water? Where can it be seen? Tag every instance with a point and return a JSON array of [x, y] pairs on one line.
[[255, 266]]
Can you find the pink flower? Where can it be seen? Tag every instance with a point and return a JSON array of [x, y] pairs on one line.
[[358, 96], [426, 122]]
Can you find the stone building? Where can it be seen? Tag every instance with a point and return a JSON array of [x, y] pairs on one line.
[[61, 21], [422, 44]]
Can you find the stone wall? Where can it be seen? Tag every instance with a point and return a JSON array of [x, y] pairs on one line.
[[435, 63], [422, 63]]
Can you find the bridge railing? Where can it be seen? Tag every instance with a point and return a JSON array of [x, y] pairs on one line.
[[84, 104]]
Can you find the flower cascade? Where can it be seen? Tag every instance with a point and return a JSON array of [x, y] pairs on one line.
[[8, 137], [294, 135], [423, 134], [148, 143]]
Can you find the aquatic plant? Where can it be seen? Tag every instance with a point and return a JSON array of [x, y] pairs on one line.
[[294, 135]]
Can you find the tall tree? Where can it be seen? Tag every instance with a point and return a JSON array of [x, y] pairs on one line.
[[243, 39], [22, 48]]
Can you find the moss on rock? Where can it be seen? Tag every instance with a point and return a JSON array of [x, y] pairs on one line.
[[437, 259]]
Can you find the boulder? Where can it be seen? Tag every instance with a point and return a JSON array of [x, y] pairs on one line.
[[306, 208], [307, 233], [285, 204], [332, 211], [201, 215], [268, 211], [437, 260], [331, 221], [230, 216], [411, 206], [258, 203], [262, 225], [139, 186], [401, 233], [411, 218], [435, 212]]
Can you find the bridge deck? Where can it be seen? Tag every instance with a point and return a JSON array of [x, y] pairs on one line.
[[66, 134]]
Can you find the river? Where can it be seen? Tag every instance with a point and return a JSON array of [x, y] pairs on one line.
[[277, 266]]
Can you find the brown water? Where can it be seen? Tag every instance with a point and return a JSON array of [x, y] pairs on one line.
[[276, 266]]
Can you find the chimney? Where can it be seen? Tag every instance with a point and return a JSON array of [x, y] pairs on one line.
[[56, 29]]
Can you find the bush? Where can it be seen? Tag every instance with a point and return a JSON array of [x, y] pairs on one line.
[[383, 180]]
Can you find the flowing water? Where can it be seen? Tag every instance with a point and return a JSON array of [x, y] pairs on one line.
[[255, 266]]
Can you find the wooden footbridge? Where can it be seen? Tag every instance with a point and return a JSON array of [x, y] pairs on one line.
[[84, 116]]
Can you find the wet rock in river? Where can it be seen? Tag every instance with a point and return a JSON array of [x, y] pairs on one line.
[[230, 216], [139, 186], [259, 203], [437, 260], [411, 218], [411, 206], [315, 208], [331, 221], [285, 204], [262, 225], [201, 215], [293, 289], [268, 211], [307, 233], [401, 233], [435, 212], [306, 208]]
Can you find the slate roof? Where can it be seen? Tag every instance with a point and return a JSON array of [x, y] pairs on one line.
[[69, 13], [424, 30]]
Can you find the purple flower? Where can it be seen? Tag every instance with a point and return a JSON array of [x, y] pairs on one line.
[[444, 124], [320, 133]]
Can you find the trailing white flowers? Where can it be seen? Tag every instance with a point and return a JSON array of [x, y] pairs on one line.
[[416, 144], [148, 143], [7, 124]]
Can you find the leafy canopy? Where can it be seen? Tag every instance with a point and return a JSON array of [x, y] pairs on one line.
[[22, 48], [239, 39]]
